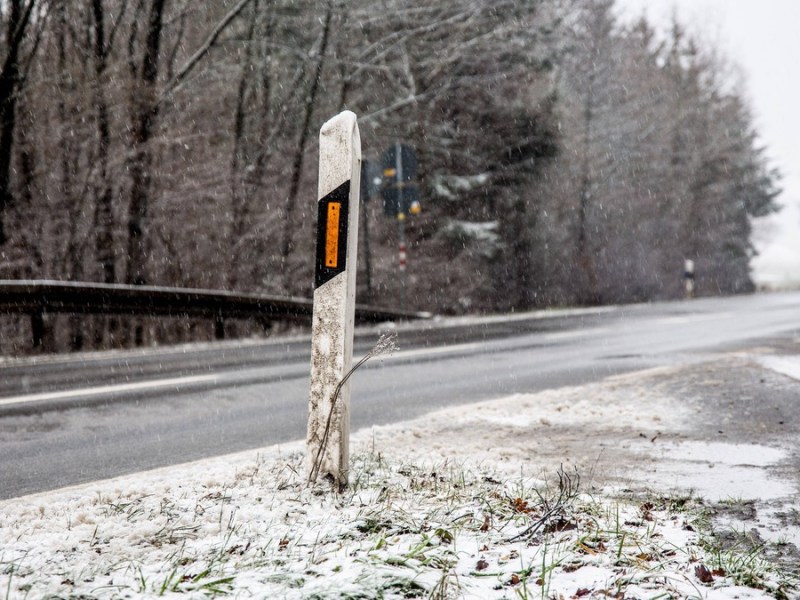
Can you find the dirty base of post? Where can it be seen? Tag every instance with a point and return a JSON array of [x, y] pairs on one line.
[[386, 345]]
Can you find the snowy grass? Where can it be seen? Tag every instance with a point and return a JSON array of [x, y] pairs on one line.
[[252, 528]]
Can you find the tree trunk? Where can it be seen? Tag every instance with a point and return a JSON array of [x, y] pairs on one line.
[[297, 166], [68, 151], [104, 215], [239, 199], [10, 87], [587, 289], [145, 114]]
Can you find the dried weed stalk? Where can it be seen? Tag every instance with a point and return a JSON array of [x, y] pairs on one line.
[[386, 345], [568, 490]]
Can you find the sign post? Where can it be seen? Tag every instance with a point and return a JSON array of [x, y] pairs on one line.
[[401, 197], [400, 192], [328, 451], [370, 184]]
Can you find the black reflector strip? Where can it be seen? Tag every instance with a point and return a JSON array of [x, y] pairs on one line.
[[332, 234]]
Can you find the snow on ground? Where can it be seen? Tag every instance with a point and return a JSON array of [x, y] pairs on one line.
[[464, 502], [785, 365]]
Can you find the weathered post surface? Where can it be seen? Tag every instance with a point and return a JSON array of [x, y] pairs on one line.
[[328, 451]]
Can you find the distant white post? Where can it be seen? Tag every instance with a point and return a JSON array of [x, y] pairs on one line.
[[688, 277], [328, 440]]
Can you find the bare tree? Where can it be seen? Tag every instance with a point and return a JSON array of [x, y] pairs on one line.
[[305, 134], [104, 222], [16, 17], [144, 112]]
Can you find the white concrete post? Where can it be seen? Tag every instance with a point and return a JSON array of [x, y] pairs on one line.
[[688, 277], [328, 452]]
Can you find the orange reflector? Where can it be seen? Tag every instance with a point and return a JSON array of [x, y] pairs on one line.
[[332, 235]]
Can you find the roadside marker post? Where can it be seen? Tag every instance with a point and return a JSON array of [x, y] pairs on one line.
[[688, 278], [328, 439]]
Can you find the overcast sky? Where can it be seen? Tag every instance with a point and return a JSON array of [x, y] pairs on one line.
[[762, 37]]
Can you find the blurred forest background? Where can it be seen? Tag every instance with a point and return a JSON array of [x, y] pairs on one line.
[[564, 158]]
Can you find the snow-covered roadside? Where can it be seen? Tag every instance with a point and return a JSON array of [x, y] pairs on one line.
[[785, 365], [465, 502]]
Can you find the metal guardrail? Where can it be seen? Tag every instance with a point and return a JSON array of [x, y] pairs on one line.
[[37, 297]]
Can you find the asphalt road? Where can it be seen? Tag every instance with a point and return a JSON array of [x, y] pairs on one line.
[[68, 420]]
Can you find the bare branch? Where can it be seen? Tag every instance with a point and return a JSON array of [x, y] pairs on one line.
[[202, 51]]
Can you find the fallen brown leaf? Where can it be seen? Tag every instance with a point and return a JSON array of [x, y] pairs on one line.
[[703, 574], [487, 521]]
